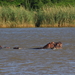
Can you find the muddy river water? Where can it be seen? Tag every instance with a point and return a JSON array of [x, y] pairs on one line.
[[29, 61]]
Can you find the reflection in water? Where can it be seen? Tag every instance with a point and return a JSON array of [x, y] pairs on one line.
[[28, 61]]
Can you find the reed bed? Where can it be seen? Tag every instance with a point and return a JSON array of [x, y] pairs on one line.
[[55, 16], [16, 17]]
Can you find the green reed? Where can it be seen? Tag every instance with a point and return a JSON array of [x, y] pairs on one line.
[[15, 16], [56, 16], [60, 16]]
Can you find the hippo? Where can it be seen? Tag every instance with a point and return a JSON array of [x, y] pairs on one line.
[[4, 47], [16, 48], [7, 47], [58, 45], [49, 45], [52, 45]]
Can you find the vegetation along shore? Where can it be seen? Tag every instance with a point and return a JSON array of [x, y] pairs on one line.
[[21, 15]]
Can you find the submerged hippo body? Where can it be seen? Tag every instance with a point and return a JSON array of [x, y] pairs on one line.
[[52, 45], [49, 45], [16, 48], [7, 47], [4, 47]]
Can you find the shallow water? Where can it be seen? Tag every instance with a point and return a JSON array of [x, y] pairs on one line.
[[28, 61]]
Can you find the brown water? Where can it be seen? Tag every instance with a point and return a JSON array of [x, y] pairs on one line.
[[28, 61]]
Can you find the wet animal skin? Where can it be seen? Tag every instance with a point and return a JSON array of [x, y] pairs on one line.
[[58, 45], [52, 45], [16, 48], [9, 47]]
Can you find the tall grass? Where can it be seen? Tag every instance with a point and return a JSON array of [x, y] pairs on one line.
[[56, 16], [16, 17]]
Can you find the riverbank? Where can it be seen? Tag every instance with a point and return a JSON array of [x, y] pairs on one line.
[[19, 17]]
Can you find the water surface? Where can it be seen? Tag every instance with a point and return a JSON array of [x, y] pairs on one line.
[[28, 61]]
